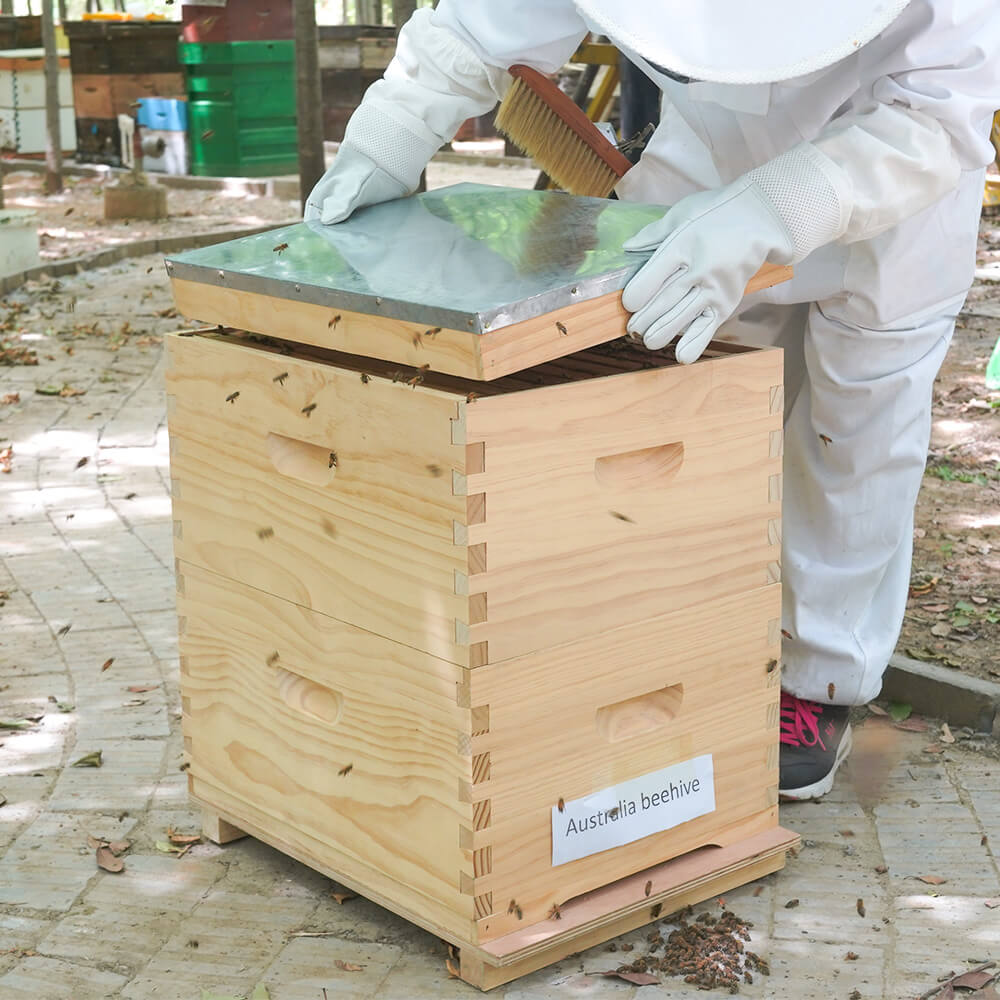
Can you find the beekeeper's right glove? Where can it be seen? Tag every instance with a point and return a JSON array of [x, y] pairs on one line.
[[433, 84]]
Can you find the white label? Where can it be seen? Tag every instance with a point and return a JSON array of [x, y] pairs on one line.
[[633, 810]]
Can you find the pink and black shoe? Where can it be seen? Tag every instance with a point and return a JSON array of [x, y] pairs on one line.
[[815, 740]]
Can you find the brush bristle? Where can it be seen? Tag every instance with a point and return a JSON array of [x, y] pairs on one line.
[[536, 129]]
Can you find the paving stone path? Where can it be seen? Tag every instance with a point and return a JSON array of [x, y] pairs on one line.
[[88, 613]]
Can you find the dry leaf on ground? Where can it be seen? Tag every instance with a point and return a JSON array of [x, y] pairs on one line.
[[107, 663], [93, 759], [343, 897], [636, 978], [348, 966], [182, 839], [107, 860], [931, 879], [973, 980], [946, 734], [141, 688]]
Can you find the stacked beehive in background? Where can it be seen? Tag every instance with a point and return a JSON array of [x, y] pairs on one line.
[[351, 59], [22, 101], [240, 65], [115, 64]]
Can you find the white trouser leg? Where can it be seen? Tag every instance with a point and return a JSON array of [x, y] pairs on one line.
[[857, 425]]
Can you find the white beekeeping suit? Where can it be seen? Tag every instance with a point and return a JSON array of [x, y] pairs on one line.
[[848, 139]]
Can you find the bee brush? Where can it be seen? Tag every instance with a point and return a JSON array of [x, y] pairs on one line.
[[544, 122]]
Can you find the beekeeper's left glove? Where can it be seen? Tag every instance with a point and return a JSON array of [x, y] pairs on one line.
[[710, 244]]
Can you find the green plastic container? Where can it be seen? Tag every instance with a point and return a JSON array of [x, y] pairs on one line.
[[241, 103], [993, 369]]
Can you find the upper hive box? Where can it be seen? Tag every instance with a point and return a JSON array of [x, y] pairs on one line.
[[470, 280]]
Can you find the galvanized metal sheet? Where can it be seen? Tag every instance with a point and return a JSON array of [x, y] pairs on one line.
[[467, 257]]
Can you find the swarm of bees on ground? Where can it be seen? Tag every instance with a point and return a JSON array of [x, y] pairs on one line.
[[708, 952]]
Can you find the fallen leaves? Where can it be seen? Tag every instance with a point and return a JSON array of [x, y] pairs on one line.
[[93, 759], [9, 398], [899, 711], [108, 853], [6, 458], [348, 966], [16, 723], [636, 978], [343, 896], [64, 391], [931, 879], [177, 843], [946, 734], [141, 688]]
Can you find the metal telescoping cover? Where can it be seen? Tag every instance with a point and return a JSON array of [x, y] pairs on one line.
[[468, 257]]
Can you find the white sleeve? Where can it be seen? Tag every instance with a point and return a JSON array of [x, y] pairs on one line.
[[921, 115], [542, 34]]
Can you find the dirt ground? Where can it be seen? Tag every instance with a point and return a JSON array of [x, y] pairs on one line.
[[953, 615], [72, 223]]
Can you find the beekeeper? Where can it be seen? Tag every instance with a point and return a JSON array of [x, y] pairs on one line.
[[849, 139]]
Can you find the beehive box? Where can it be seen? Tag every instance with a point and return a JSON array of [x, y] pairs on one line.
[[480, 649]]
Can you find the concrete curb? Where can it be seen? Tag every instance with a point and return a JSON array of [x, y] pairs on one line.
[[943, 693], [140, 248], [286, 187]]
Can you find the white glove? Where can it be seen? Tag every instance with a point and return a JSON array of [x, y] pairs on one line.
[[433, 84], [710, 244]]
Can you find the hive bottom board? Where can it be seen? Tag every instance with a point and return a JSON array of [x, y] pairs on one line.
[[585, 921]]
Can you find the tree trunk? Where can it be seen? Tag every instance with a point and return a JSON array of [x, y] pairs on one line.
[[53, 138], [308, 96], [402, 11]]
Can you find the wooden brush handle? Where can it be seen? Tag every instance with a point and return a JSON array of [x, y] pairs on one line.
[[548, 92]]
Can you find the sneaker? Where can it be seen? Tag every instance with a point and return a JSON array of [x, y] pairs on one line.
[[815, 739]]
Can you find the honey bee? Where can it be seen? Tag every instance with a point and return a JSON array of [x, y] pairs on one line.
[[515, 909], [272, 659], [561, 806], [621, 517], [344, 771], [307, 410], [786, 633], [207, 134], [329, 528], [613, 813], [472, 397], [432, 332], [365, 378], [656, 911], [417, 340], [232, 397], [280, 249], [825, 439], [831, 690], [555, 913], [649, 887], [333, 460], [434, 470], [416, 379], [263, 533], [280, 379], [333, 322], [772, 665], [562, 329]]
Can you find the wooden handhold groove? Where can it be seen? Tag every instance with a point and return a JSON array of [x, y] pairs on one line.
[[644, 468]]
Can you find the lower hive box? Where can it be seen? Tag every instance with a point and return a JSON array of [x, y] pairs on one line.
[[500, 656]]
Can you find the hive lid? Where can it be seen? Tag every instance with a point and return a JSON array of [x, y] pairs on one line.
[[469, 257]]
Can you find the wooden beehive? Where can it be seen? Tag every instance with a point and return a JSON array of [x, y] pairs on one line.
[[426, 620]]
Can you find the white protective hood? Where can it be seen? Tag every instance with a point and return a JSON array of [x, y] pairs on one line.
[[739, 41]]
